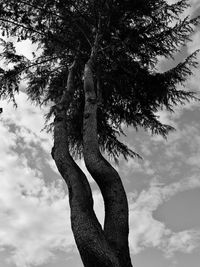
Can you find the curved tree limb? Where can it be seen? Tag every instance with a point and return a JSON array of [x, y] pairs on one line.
[[116, 227]]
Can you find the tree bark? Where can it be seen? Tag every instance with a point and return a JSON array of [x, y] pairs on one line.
[[116, 227], [88, 233]]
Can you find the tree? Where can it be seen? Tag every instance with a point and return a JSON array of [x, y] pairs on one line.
[[97, 71]]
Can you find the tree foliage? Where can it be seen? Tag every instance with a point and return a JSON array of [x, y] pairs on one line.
[[133, 34]]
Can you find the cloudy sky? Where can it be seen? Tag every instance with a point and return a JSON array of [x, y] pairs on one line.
[[163, 188]]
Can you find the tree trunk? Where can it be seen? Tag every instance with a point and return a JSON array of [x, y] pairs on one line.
[[116, 227], [89, 236]]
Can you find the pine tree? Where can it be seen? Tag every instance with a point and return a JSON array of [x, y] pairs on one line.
[[97, 71]]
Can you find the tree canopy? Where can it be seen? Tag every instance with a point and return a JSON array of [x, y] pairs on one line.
[[132, 34]]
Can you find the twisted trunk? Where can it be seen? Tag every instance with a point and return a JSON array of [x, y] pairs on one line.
[[116, 226], [88, 234]]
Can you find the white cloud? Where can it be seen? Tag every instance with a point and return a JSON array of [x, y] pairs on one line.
[[135, 165], [194, 80], [195, 43], [145, 231], [28, 117], [28, 121], [194, 5], [183, 145], [185, 241], [34, 218], [27, 48]]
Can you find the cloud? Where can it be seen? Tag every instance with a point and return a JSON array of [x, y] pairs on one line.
[[184, 139], [27, 48], [181, 150], [194, 5], [195, 43], [134, 165], [194, 80], [26, 123], [184, 241], [28, 117], [145, 231], [34, 218]]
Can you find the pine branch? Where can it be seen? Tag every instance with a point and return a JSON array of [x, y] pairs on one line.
[[22, 26], [61, 17], [32, 65]]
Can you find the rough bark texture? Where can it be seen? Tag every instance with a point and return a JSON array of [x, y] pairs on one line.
[[89, 236], [116, 227]]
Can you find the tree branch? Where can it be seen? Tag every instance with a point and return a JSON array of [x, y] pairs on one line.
[[32, 65], [23, 26]]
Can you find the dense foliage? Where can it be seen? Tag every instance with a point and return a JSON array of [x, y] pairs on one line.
[[133, 34]]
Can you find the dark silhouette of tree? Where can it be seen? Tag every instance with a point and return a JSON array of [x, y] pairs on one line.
[[97, 71]]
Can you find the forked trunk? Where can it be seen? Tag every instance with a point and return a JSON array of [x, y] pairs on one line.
[[88, 233]]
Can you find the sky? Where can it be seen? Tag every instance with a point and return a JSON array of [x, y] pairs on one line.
[[163, 189]]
